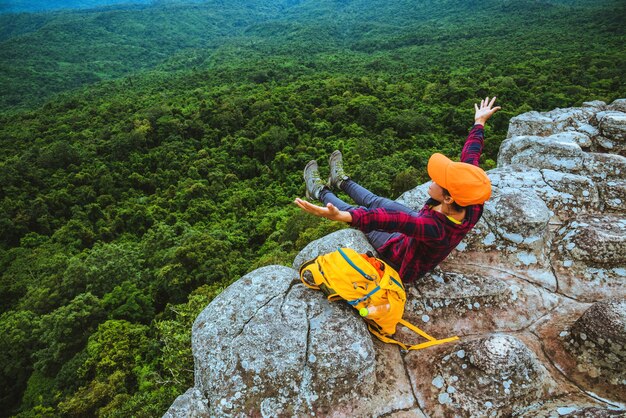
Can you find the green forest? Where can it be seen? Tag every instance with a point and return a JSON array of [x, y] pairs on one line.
[[150, 154]]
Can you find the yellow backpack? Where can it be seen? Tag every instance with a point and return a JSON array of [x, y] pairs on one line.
[[365, 281]]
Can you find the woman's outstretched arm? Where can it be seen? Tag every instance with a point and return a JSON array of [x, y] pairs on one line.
[[330, 211]]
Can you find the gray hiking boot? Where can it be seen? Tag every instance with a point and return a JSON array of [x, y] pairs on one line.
[[337, 175], [313, 181]]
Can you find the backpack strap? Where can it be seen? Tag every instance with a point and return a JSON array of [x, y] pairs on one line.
[[355, 302], [431, 340]]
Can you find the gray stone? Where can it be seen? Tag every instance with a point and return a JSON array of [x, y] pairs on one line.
[[518, 216], [530, 123], [598, 339], [600, 167], [588, 131], [606, 144], [563, 193], [570, 118], [415, 198], [589, 255], [612, 124], [613, 194], [269, 346], [459, 290], [556, 152], [345, 238], [465, 303], [579, 137], [191, 404], [618, 105], [501, 375], [596, 104], [571, 194], [516, 178]]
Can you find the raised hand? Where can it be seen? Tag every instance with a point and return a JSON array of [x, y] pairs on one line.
[[485, 111]]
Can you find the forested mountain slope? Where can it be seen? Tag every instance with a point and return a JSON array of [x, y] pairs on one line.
[[127, 204], [16, 6], [43, 54]]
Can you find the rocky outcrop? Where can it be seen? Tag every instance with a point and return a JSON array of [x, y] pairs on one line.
[[604, 126], [269, 346], [536, 292]]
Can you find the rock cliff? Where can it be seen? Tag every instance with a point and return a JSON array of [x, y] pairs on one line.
[[537, 293]]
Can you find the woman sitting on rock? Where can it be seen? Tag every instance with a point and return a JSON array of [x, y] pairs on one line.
[[413, 242]]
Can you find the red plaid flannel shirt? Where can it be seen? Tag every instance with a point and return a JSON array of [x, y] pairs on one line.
[[428, 238]]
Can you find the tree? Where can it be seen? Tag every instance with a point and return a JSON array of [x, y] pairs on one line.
[[63, 332], [16, 343]]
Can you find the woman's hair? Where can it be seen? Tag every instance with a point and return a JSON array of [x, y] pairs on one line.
[[455, 205]]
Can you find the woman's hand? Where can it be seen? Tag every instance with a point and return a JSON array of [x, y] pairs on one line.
[[329, 212], [485, 111]]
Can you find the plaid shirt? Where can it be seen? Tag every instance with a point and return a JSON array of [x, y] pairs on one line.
[[427, 238]]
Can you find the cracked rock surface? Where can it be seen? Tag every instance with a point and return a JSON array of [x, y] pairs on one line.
[[268, 345], [488, 376], [536, 292]]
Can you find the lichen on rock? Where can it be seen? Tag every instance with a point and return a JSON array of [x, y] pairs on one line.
[[598, 339], [589, 256], [490, 376]]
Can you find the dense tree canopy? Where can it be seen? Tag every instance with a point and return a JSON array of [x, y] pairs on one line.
[[149, 156]]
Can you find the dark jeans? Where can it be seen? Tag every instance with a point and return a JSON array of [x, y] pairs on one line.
[[369, 200]]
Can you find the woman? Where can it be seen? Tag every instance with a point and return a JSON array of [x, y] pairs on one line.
[[413, 242]]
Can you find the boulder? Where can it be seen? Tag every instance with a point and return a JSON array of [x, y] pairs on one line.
[[603, 126], [556, 152], [595, 104], [571, 118], [581, 137], [563, 193], [519, 217], [601, 167], [564, 340], [618, 105], [598, 340], [612, 125], [345, 238], [415, 198], [530, 123], [613, 195], [589, 257], [570, 194], [589, 131], [269, 346], [490, 376]]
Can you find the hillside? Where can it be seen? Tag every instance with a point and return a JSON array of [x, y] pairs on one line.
[[149, 156], [29, 6], [44, 54]]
